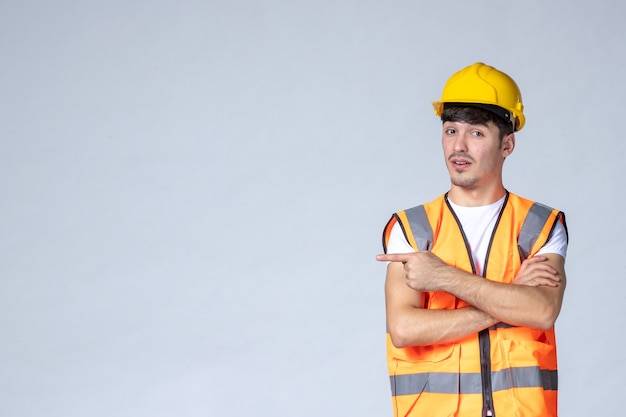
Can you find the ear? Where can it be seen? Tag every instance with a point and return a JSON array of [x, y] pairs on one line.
[[508, 144]]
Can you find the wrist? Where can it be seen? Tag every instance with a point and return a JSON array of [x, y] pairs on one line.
[[444, 275]]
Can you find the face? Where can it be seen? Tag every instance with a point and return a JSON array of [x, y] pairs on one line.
[[474, 153]]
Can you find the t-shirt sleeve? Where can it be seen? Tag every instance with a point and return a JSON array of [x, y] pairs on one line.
[[557, 242], [397, 241]]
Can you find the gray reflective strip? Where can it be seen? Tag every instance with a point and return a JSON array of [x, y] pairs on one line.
[[450, 383], [420, 227], [533, 224]]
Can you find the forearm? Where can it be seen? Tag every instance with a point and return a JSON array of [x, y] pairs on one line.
[[530, 306], [409, 324], [418, 327]]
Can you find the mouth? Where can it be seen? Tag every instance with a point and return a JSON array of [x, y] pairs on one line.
[[460, 163]]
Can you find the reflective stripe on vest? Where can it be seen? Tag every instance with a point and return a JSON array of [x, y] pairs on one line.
[[449, 383], [536, 218], [420, 228], [420, 233]]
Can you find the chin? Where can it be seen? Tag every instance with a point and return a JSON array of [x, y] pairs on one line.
[[464, 182]]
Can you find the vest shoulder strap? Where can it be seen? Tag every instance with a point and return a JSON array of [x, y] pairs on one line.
[[537, 228], [420, 228], [415, 227]]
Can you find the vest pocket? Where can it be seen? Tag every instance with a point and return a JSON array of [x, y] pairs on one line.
[[426, 380], [528, 353], [428, 354], [528, 374]]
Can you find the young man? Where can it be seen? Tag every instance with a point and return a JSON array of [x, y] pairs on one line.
[[475, 278]]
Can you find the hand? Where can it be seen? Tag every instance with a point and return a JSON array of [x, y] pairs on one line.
[[535, 272], [423, 269]]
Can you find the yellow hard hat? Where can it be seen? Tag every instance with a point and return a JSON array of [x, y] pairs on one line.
[[482, 84]]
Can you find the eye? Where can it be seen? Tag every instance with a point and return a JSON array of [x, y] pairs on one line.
[[450, 131], [477, 133]]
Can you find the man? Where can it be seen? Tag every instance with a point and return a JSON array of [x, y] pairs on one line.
[[475, 278]]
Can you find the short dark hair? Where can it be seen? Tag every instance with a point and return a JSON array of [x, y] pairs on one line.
[[469, 113]]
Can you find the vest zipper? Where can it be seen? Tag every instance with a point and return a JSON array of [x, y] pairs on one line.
[[484, 343], [484, 340]]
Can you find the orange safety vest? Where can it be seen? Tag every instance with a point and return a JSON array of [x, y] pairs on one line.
[[507, 370]]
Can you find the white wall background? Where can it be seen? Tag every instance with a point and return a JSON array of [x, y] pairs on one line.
[[192, 193]]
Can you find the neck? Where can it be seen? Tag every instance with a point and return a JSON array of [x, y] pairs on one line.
[[475, 197]]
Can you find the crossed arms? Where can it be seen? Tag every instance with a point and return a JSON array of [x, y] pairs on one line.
[[533, 300]]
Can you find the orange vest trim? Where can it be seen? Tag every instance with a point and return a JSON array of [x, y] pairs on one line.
[[510, 370]]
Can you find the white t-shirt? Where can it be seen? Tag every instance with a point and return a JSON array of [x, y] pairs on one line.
[[478, 224]]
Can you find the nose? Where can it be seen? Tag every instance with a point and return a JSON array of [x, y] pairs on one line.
[[460, 143]]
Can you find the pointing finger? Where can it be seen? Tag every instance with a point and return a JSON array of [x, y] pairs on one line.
[[393, 257]]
